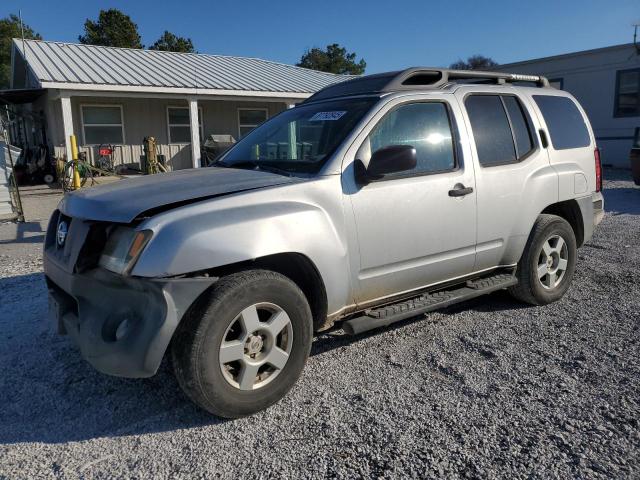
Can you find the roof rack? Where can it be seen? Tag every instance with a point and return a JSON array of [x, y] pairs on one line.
[[420, 77]]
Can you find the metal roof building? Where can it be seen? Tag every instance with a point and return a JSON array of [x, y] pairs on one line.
[[178, 98], [70, 65]]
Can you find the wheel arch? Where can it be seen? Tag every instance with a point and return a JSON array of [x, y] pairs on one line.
[[570, 211], [298, 268]]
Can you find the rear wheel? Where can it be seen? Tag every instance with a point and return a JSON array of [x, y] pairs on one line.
[[548, 262], [241, 349]]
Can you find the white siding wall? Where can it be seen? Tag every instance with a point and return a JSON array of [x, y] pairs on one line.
[[591, 78], [148, 117]]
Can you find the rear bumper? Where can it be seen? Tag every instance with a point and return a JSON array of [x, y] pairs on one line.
[[592, 208], [91, 306]]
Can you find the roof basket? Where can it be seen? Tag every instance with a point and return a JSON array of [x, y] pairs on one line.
[[417, 77]]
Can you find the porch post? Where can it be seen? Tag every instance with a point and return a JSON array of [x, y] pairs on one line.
[[195, 132], [293, 141], [67, 122]]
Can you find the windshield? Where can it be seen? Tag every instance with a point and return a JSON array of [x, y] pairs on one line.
[[298, 140]]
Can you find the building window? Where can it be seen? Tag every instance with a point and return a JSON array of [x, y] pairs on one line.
[[102, 124], [627, 102], [250, 118], [179, 124]]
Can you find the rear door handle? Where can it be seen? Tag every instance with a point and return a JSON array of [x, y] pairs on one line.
[[459, 190]]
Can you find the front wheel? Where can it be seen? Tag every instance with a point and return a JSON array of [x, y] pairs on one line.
[[548, 262], [243, 346]]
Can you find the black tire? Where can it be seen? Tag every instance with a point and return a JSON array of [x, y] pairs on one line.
[[530, 288], [196, 346]]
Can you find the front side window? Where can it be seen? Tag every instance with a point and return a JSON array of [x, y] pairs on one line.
[[300, 139], [180, 124], [426, 127], [564, 121], [102, 124], [250, 118], [627, 101], [501, 129]]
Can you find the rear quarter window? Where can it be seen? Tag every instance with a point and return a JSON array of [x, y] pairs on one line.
[[566, 125]]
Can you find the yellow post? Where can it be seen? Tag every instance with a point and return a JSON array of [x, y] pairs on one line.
[[74, 154]]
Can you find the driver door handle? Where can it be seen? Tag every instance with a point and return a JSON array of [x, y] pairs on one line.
[[459, 190]]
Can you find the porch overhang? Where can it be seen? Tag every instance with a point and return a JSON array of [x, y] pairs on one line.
[[20, 96], [80, 89]]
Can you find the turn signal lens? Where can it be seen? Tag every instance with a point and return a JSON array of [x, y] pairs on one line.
[[123, 248], [139, 241]]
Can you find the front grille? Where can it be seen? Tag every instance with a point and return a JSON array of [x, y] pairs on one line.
[[66, 255]]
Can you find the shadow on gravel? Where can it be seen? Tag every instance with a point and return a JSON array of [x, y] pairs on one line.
[[50, 394], [622, 200], [25, 233], [496, 302], [336, 338], [68, 402]]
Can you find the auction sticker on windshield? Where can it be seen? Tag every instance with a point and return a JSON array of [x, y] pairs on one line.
[[323, 116]]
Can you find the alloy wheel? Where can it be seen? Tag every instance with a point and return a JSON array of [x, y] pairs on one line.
[[256, 346], [553, 260]]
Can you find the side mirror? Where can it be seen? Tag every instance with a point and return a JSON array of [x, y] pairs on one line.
[[391, 159]]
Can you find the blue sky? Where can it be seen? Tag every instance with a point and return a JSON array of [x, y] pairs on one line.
[[387, 34]]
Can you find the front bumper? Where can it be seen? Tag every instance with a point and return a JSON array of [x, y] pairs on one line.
[[91, 306]]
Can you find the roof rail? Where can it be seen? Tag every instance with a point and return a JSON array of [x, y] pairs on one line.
[[420, 77]]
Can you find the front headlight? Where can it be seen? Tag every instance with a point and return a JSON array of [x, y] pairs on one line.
[[123, 248]]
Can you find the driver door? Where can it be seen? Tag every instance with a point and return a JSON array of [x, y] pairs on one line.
[[414, 228]]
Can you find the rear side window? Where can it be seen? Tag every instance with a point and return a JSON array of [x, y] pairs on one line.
[[501, 129], [426, 127], [564, 121]]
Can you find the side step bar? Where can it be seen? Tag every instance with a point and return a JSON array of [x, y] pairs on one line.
[[427, 302]]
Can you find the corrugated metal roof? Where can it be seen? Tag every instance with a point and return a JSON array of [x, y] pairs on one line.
[[77, 64]]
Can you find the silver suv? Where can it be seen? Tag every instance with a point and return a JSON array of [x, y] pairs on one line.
[[377, 199]]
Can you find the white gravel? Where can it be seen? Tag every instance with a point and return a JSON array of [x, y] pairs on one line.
[[490, 388]]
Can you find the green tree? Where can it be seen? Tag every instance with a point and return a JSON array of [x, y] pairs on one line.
[[334, 59], [10, 28], [112, 29], [169, 42], [474, 62]]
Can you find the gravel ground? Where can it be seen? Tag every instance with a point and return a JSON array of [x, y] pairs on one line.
[[489, 388]]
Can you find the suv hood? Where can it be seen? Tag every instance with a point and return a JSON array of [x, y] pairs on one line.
[[124, 200]]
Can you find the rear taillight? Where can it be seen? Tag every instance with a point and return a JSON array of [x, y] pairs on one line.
[[596, 154]]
